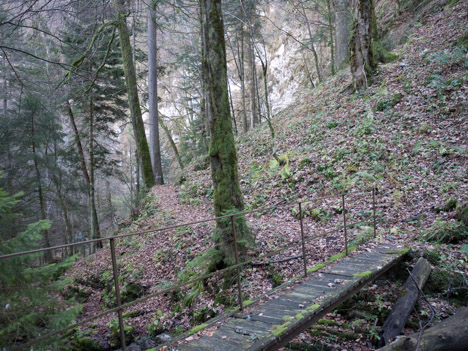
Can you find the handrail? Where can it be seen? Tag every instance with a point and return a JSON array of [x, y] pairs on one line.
[[238, 266], [262, 209]]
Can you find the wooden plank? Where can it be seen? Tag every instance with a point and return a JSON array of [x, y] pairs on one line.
[[190, 347], [266, 319], [249, 326], [275, 322], [231, 341], [298, 299]]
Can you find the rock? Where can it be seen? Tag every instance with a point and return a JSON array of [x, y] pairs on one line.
[[164, 337]]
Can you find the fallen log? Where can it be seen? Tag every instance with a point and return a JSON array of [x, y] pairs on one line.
[[400, 313], [449, 335]]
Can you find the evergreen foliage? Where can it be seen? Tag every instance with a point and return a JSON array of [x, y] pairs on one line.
[[28, 306]]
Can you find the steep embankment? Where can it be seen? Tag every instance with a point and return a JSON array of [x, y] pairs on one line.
[[407, 134]]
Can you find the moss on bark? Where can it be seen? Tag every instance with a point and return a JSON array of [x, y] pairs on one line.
[[222, 151], [133, 99]]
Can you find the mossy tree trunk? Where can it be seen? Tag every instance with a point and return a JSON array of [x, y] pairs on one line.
[[362, 58], [227, 194], [95, 232], [204, 102], [132, 90]]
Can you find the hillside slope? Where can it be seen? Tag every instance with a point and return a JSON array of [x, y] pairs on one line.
[[406, 135]]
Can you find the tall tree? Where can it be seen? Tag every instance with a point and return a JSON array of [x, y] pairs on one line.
[[155, 146], [224, 172], [342, 31], [362, 58], [132, 90]]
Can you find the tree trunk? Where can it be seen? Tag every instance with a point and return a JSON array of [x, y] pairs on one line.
[[449, 335], [306, 66], [205, 108], [57, 179], [362, 60], [312, 47], [252, 87], [78, 143], [153, 97], [233, 114], [342, 31], [47, 254], [225, 177], [133, 99], [94, 227], [91, 201], [5, 90], [400, 313], [330, 28], [242, 80]]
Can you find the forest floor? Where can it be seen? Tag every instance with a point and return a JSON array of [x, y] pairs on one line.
[[405, 135]]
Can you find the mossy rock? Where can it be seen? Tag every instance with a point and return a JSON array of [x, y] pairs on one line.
[[449, 283], [80, 340], [86, 344], [432, 256], [94, 281], [132, 291], [462, 214], [203, 315], [80, 294], [381, 54]]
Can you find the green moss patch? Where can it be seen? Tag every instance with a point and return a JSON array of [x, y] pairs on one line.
[[197, 329], [365, 275]]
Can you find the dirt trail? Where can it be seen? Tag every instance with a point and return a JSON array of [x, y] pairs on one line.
[[166, 199]]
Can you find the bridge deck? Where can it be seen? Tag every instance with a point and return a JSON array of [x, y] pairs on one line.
[[277, 321]]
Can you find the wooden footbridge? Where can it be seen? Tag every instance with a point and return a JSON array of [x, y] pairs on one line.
[[274, 323], [274, 320]]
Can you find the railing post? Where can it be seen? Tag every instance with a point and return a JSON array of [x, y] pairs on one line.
[[302, 238], [117, 293], [239, 288], [373, 210], [344, 223]]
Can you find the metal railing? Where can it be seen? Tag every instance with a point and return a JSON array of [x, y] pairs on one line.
[[237, 266]]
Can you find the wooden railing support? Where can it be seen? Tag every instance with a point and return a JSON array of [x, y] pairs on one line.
[[344, 223], [304, 259], [236, 253], [117, 294], [373, 212]]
